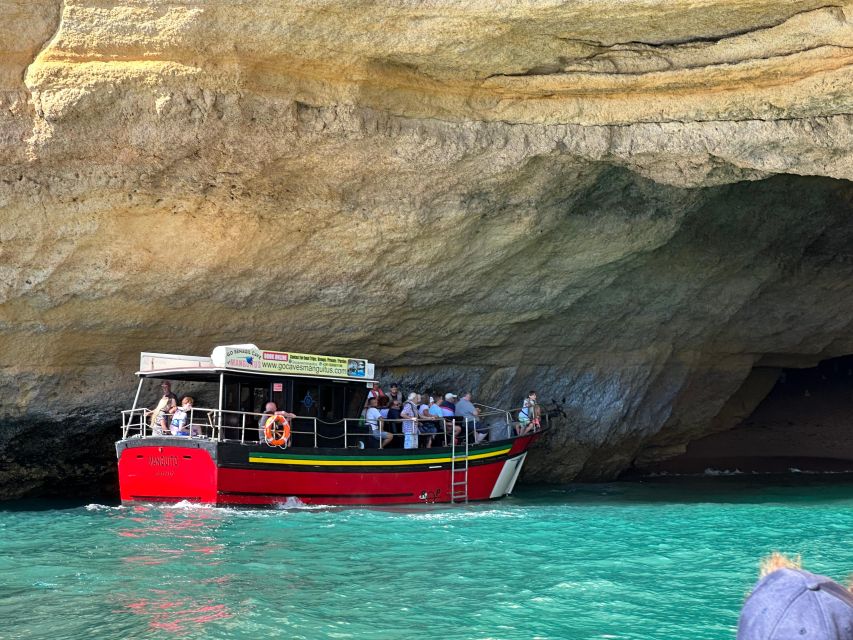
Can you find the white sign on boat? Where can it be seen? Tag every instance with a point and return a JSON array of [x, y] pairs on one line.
[[250, 357]]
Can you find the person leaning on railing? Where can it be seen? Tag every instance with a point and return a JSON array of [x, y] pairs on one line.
[[528, 417], [271, 409]]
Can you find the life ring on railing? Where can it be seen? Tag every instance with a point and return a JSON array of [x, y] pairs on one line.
[[276, 431]]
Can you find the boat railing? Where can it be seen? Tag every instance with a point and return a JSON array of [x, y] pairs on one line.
[[307, 431]]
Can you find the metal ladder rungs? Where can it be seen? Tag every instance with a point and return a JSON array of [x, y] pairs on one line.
[[462, 458]]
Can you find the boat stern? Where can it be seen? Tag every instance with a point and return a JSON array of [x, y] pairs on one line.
[[167, 470]]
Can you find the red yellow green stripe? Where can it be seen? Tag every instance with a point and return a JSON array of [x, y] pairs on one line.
[[370, 461]]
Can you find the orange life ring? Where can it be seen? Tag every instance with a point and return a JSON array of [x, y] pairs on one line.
[[276, 430]]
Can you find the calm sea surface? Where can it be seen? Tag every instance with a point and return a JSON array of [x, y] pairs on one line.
[[663, 559]]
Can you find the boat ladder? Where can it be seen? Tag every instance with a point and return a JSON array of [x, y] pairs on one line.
[[459, 470]]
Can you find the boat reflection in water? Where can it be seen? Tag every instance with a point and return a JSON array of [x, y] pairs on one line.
[[174, 548]]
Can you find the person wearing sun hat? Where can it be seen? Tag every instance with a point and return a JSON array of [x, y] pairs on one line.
[[790, 603]]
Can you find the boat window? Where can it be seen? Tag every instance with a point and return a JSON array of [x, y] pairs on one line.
[[356, 397], [331, 406], [280, 394]]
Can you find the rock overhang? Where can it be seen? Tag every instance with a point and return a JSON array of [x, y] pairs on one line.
[[553, 195]]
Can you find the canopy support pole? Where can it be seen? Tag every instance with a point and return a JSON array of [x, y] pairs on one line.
[[221, 395], [136, 397]]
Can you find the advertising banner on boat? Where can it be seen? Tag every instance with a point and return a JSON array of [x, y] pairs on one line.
[[248, 356]]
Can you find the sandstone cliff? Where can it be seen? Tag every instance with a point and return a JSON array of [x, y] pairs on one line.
[[640, 208]]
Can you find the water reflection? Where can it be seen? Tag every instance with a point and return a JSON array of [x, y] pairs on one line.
[[177, 552]]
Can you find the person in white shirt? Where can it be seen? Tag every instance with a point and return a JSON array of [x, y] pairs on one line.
[[374, 420], [528, 417], [427, 425]]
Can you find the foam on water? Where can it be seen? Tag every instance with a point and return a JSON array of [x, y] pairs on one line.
[[662, 559]]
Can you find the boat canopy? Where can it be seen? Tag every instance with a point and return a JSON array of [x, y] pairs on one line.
[[249, 359]]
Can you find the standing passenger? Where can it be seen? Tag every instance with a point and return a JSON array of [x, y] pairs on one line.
[[166, 406], [410, 429], [393, 416], [528, 417], [395, 393]]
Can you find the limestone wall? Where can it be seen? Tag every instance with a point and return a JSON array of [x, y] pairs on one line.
[[624, 205]]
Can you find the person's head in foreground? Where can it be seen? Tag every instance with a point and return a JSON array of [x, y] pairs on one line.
[[789, 603]]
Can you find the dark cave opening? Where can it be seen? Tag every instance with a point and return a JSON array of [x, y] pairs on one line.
[[803, 425]]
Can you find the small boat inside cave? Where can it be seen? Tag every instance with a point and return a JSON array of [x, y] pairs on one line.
[[316, 449]]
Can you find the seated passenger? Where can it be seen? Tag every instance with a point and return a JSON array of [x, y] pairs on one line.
[[448, 406], [180, 418], [373, 419], [436, 411], [448, 410], [162, 413], [427, 425], [270, 409], [466, 409]]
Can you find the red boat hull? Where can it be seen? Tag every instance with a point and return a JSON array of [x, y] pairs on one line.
[[230, 473]]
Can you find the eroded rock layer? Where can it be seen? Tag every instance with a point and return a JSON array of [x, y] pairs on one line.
[[627, 206]]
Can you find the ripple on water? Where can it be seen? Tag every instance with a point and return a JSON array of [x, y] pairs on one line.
[[616, 561]]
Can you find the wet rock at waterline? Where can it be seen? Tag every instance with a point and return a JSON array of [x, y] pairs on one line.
[[642, 211]]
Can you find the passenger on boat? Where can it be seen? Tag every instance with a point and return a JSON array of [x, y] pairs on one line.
[[395, 394], [166, 406], [436, 412], [528, 417], [392, 415], [448, 410], [179, 426], [448, 405], [271, 409], [383, 405], [374, 419], [427, 423], [410, 428], [466, 409], [375, 392]]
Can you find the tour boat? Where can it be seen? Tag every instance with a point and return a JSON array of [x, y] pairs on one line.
[[232, 458]]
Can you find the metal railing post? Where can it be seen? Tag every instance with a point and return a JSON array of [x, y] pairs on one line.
[[243, 429], [315, 432], [345, 433], [219, 412]]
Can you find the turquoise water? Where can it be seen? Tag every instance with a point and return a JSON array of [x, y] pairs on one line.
[[661, 560]]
